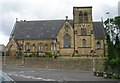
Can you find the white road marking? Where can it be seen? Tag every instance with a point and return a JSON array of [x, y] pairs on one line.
[[21, 71], [30, 77], [25, 71], [28, 71]]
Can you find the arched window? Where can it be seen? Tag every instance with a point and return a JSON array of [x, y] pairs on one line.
[[80, 17], [98, 45], [83, 31], [84, 43], [12, 47], [28, 47], [53, 47], [40, 47], [85, 17], [67, 41]]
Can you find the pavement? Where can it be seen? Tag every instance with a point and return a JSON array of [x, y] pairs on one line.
[[21, 73]]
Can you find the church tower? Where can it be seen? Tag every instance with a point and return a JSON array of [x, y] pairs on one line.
[[83, 30]]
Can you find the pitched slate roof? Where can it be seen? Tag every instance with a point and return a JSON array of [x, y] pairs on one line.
[[47, 29], [98, 30], [37, 29]]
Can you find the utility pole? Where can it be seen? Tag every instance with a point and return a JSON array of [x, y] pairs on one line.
[[23, 62], [22, 57], [93, 53]]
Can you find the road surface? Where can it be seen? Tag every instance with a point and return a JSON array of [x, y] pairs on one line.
[[21, 73]]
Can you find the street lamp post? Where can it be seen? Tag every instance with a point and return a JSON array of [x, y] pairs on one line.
[[93, 64], [22, 57], [22, 50], [93, 59], [4, 56]]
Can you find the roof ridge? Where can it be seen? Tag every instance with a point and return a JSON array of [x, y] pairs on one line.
[[37, 20], [42, 20]]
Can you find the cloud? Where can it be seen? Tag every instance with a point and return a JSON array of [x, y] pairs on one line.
[[100, 11], [3, 39], [49, 9], [8, 22], [12, 7]]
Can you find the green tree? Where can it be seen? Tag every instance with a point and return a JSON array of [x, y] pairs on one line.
[[113, 25], [111, 50], [113, 58], [117, 23], [117, 46], [108, 26]]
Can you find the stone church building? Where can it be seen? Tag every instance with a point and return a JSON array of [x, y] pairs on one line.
[[80, 36]]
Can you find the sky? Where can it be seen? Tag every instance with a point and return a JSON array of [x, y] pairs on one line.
[[48, 10]]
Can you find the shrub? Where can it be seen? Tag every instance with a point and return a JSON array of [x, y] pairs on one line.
[[33, 54], [106, 64], [19, 54], [48, 54], [116, 75], [113, 63], [54, 56], [30, 55], [26, 55], [107, 75]]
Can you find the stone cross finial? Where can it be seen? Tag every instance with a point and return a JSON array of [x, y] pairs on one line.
[[16, 19], [66, 17]]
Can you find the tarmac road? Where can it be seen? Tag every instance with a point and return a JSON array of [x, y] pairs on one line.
[[21, 73]]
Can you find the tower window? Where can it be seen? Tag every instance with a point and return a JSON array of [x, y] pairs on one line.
[[98, 45], [66, 41], [83, 43], [85, 17], [80, 17], [83, 31]]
